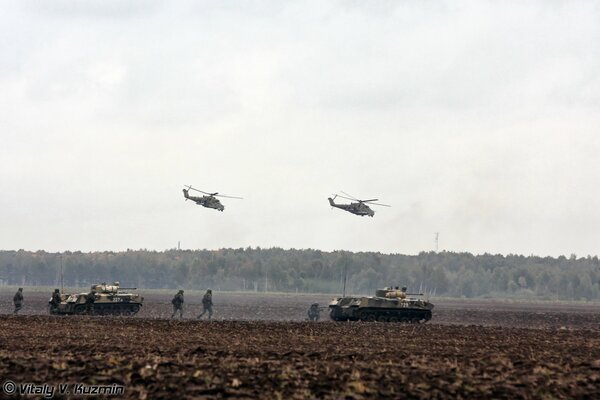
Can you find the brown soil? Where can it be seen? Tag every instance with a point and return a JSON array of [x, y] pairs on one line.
[[260, 346]]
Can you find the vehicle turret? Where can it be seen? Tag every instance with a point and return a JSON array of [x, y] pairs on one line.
[[114, 288], [107, 300]]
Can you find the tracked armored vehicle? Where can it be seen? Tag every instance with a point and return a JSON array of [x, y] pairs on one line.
[[102, 299], [388, 305]]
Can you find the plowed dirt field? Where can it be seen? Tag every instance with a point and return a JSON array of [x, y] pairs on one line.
[[261, 347]]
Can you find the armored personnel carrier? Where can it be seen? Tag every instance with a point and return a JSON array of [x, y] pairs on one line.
[[388, 305], [102, 299]]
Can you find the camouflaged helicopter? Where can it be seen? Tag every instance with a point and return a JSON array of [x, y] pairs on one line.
[[358, 207], [209, 200]]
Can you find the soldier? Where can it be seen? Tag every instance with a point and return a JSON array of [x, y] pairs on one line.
[[207, 304], [18, 300], [90, 298], [314, 312], [177, 304], [55, 301]]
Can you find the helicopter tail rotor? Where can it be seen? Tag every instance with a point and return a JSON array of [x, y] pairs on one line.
[[331, 201]]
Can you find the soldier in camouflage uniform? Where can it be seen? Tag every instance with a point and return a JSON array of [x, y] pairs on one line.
[[55, 301], [90, 298], [207, 304], [314, 312], [18, 300], [177, 304]]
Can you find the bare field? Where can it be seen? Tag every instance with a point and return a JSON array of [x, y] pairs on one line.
[[260, 346], [293, 307]]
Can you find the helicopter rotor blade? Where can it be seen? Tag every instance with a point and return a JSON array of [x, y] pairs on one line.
[[347, 198], [229, 197], [368, 201], [378, 204], [349, 195], [215, 194], [197, 190]]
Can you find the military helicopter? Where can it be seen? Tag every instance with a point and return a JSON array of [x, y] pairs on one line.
[[208, 201], [360, 207]]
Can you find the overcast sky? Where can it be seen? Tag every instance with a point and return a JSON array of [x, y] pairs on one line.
[[479, 120]]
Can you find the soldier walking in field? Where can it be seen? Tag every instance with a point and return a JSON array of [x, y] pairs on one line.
[[207, 304], [314, 312], [18, 300], [90, 298], [55, 301], [177, 304]]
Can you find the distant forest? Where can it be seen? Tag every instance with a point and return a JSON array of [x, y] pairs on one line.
[[255, 269]]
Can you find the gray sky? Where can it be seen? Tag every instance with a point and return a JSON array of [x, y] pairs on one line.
[[480, 120]]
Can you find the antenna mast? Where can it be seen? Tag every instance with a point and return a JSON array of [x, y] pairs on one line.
[[437, 239], [267, 279], [344, 292], [61, 274]]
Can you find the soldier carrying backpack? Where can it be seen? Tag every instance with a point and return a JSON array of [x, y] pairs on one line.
[[177, 304]]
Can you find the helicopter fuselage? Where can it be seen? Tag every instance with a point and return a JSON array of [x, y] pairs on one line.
[[205, 201], [358, 208]]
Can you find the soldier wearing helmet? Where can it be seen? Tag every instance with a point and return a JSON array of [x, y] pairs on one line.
[[207, 304], [177, 304], [314, 312], [90, 298], [18, 300], [55, 300]]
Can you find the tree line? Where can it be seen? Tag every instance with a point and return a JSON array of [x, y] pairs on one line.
[[313, 271]]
